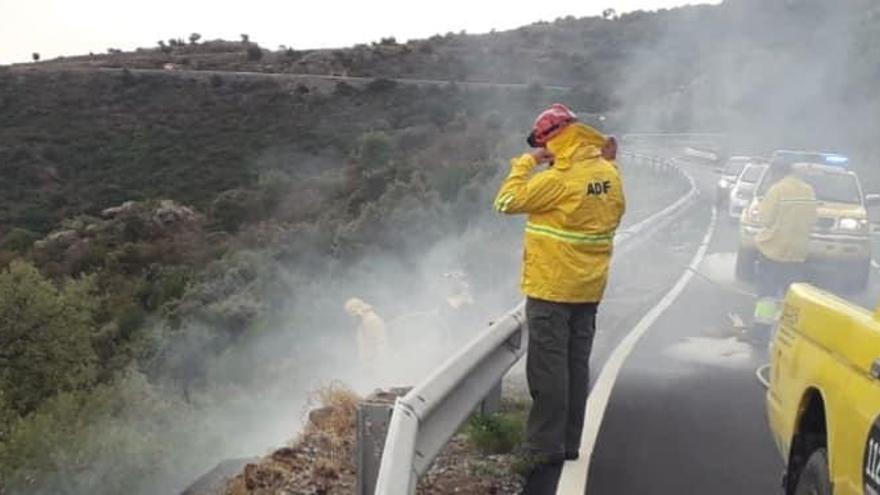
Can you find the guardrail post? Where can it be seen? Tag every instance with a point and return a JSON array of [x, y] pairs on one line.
[[492, 403], [373, 418]]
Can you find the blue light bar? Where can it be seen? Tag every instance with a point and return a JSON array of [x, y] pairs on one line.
[[839, 160], [829, 159]]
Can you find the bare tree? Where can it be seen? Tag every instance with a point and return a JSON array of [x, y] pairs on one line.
[[194, 38]]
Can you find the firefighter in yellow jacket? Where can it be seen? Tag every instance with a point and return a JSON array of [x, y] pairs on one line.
[[574, 207], [788, 213]]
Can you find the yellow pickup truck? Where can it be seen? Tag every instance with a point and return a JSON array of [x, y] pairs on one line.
[[823, 400], [840, 245]]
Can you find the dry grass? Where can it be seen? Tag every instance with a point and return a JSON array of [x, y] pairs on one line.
[[319, 461], [336, 413], [322, 461]]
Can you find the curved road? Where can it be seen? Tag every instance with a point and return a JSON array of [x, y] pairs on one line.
[[284, 76], [686, 413]]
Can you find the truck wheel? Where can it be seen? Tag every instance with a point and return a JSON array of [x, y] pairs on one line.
[[815, 479], [745, 264]]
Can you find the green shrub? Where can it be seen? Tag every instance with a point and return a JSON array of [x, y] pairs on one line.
[[172, 286], [124, 437], [131, 318], [440, 114], [229, 295], [271, 187], [496, 434], [254, 53], [93, 258], [135, 256], [135, 228], [375, 150], [45, 336], [6, 257], [161, 286], [232, 208], [19, 240]]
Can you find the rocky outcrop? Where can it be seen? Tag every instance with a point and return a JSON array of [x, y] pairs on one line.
[[134, 230]]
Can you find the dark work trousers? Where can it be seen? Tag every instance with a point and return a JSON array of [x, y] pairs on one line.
[[558, 372], [774, 277]]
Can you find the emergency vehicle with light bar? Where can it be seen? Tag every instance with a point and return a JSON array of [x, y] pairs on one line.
[[841, 242]]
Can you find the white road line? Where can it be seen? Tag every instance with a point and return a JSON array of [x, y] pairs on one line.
[[875, 265], [573, 480]]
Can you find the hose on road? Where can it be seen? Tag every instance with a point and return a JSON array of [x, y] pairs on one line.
[[759, 374], [724, 287]]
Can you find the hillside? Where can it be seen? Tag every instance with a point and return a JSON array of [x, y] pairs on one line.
[[185, 242], [78, 142], [728, 68]]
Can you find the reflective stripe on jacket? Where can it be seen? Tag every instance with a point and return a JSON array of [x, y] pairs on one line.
[[788, 214], [573, 210]]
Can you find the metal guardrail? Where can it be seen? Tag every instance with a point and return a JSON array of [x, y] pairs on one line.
[[425, 419], [629, 238]]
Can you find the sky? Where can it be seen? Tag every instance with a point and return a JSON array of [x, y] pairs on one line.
[[74, 27]]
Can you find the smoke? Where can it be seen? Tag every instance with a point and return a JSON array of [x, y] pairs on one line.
[[255, 395], [778, 74]]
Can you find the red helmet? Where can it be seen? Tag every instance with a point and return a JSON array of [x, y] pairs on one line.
[[550, 123]]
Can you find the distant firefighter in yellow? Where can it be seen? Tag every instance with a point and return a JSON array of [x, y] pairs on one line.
[[460, 293], [372, 339]]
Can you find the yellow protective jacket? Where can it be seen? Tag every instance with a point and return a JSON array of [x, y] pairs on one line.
[[787, 214], [573, 210]]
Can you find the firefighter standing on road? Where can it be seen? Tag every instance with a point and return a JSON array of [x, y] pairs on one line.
[[573, 209], [788, 214]]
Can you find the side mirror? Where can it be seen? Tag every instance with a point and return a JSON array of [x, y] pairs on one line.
[[872, 199]]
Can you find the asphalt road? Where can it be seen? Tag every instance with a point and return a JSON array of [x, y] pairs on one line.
[[686, 414]]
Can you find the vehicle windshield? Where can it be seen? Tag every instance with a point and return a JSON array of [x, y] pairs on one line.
[[734, 167], [752, 174], [832, 187], [835, 188], [798, 157]]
